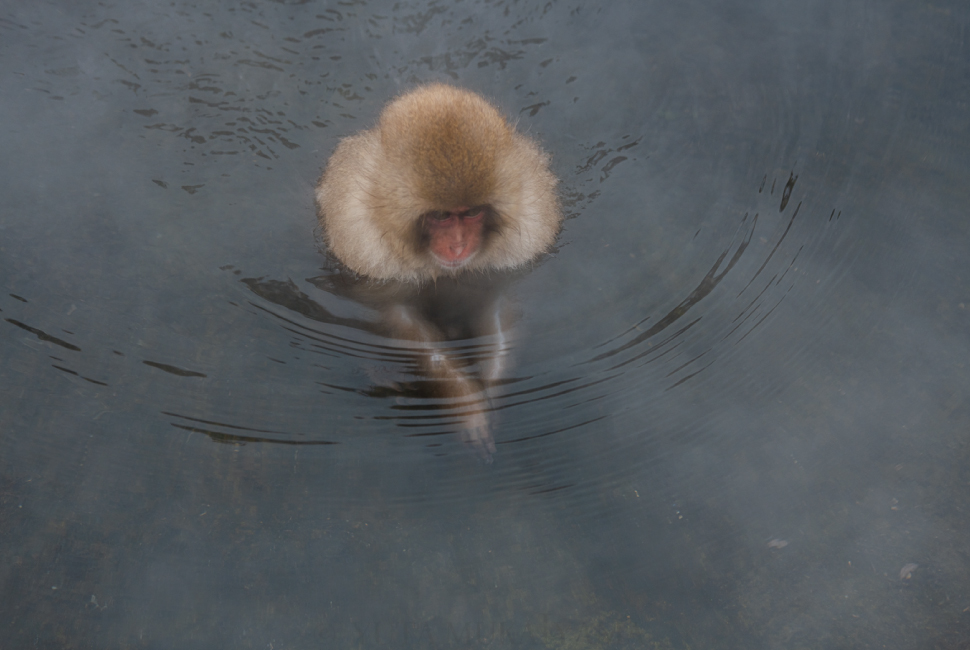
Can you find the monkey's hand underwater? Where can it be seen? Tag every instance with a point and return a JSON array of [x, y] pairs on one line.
[[476, 432]]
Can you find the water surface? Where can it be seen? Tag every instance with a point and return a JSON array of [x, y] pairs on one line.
[[738, 413]]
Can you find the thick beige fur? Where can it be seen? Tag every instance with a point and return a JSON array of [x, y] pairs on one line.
[[436, 148]]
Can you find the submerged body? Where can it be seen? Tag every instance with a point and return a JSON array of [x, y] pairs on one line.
[[442, 187]]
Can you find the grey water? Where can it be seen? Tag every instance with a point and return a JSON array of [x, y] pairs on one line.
[[739, 410]]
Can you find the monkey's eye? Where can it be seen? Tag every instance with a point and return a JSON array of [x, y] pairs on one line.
[[438, 216], [470, 214]]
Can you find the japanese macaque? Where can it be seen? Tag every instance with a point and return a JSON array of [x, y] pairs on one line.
[[440, 193]]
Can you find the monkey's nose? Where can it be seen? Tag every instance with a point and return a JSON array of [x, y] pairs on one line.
[[457, 241]]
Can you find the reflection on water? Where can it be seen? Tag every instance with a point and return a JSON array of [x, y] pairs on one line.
[[735, 413], [469, 323]]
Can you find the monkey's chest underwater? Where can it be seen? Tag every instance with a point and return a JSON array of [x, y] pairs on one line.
[[465, 307]]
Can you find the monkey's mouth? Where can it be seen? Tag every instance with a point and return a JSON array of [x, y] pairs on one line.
[[455, 263]]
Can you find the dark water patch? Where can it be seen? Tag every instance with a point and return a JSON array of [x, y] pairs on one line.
[[174, 370], [43, 336]]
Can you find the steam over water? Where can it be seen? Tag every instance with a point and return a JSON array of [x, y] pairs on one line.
[[737, 412]]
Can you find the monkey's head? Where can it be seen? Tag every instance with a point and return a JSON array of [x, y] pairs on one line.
[[443, 184], [447, 147]]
